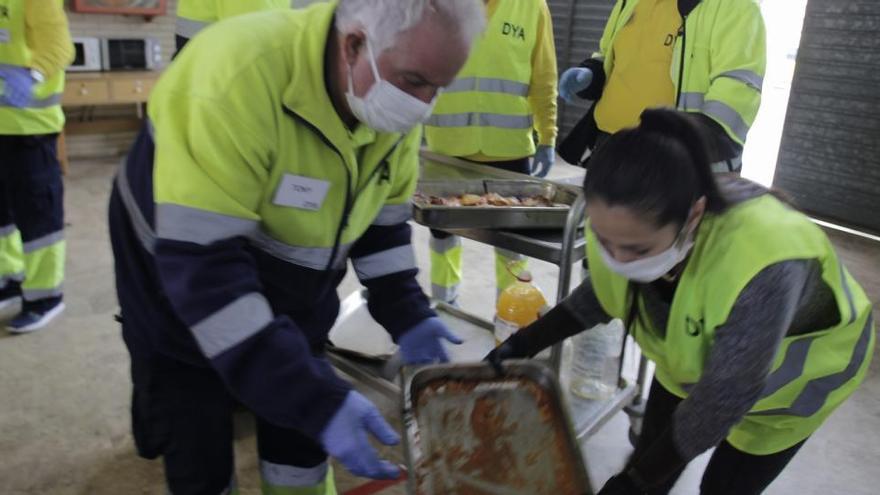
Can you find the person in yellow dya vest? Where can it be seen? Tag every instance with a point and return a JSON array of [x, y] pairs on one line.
[[757, 329], [505, 93], [35, 47], [705, 57], [195, 15], [269, 166]]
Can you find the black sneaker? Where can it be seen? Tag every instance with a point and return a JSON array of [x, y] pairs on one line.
[[35, 315], [10, 294]]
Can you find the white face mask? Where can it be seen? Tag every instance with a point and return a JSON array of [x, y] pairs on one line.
[[649, 269], [385, 107]]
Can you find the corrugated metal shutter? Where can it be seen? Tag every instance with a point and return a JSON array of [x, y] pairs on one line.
[[829, 158], [577, 28]]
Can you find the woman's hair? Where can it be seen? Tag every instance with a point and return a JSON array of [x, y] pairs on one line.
[[658, 168]]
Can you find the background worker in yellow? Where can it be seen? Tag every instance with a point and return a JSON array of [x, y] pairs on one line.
[[195, 15], [504, 95], [705, 57], [35, 47], [267, 167], [757, 329]]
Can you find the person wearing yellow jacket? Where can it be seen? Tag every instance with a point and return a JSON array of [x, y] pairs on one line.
[[267, 167], [505, 94], [757, 329], [35, 47], [706, 57], [195, 15]]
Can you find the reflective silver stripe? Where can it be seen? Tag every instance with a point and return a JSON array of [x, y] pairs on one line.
[[51, 101], [393, 214], [691, 101], [386, 262], [727, 166], [481, 120], [183, 223], [509, 255], [45, 241], [441, 246], [188, 27], [37, 294], [488, 85], [445, 294], [816, 391], [233, 324], [8, 230], [316, 258], [790, 369], [848, 292], [279, 475], [747, 77], [728, 116], [141, 228], [11, 277]]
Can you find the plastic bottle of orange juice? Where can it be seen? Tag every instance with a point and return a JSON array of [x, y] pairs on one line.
[[518, 305]]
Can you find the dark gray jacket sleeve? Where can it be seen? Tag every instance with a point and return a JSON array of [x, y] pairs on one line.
[[735, 371], [579, 311]]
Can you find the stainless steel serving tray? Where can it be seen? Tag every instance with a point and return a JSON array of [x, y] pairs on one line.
[[471, 431], [494, 217]]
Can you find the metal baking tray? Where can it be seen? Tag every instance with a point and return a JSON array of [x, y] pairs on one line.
[[469, 431], [494, 217]]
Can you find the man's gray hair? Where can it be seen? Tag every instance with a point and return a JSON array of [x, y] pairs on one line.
[[384, 20]]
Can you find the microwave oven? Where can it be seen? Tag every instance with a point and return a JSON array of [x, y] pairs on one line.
[[87, 54], [131, 53]]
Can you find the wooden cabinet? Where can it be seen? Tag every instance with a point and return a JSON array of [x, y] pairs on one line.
[[108, 88], [85, 93], [105, 88]]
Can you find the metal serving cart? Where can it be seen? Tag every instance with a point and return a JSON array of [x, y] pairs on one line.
[[563, 247]]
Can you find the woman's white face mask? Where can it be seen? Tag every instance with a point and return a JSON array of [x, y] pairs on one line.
[[385, 107], [651, 268]]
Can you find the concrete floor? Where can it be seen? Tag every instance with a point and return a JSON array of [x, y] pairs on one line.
[[64, 422]]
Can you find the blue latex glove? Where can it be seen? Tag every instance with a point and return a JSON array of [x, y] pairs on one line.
[[574, 81], [544, 158], [422, 344], [345, 438], [18, 86]]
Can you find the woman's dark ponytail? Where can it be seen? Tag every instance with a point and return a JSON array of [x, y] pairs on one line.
[[660, 167]]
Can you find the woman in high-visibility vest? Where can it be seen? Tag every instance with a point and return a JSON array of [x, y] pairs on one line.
[[757, 330]]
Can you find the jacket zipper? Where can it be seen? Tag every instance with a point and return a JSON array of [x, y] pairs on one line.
[[349, 197], [681, 63]]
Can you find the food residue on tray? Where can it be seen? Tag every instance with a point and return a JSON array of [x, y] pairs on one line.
[[487, 199], [485, 445]]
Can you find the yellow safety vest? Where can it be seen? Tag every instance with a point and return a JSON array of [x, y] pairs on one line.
[[718, 61], [43, 115], [486, 109], [256, 128], [812, 373], [195, 15]]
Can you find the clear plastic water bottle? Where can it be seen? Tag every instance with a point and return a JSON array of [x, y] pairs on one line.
[[596, 361]]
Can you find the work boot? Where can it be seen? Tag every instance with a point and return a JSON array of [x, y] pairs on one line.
[[10, 294], [35, 315]]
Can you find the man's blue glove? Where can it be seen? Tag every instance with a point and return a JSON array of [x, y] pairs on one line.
[[18, 86], [345, 438], [574, 81], [544, 158], [422, 344]]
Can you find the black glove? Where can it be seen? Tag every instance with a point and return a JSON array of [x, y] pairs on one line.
[[507, 350], [621, 484]]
